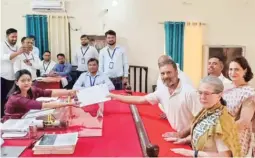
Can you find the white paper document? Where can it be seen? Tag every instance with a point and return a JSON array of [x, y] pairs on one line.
[[64, 81], [38, 113], [14, 135], [47, 99], [93, 95]]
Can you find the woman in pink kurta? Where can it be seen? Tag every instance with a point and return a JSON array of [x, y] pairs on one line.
[[240, 101], [23, 96]]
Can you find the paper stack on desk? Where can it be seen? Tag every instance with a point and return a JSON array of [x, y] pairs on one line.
[[56, 144], [13, 128], [93, 95]]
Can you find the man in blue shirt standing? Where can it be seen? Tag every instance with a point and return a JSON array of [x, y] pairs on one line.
[[62, 68], [93, 77]]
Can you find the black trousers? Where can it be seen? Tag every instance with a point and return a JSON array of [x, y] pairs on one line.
[[6, 86], [117, 82]]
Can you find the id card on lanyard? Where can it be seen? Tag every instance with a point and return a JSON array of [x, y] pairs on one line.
[[14, 50], [92, 83], [83, 54], [27, 57], [111, 64], [45, 69]]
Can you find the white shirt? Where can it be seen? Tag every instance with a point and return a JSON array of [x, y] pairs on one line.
[[7, 64], [113, 62], [19, 63], [82, 56], [226, 82], [36, 51], [181, 75], [180, 107], [87, 80], [46, 67]]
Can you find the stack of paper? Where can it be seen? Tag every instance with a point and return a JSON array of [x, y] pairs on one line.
[[56, 144], [16, 127]]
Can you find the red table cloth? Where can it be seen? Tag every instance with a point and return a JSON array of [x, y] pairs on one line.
[[119, 134]]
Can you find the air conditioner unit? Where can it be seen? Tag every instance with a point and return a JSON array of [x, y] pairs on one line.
[[48, 5]]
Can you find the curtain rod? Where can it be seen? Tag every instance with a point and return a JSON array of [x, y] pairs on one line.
[[187, 22], [71, 17]]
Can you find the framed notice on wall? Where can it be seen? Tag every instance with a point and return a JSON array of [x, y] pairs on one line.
[[225, 51], [97, 41]]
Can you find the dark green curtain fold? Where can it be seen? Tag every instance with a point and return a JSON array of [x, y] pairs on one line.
[[174, 41], [37, 25]]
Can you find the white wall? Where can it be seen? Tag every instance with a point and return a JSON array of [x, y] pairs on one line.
[[229, 22]]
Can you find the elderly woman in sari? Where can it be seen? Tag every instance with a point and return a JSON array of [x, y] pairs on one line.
[[240, 102], [213, 131]]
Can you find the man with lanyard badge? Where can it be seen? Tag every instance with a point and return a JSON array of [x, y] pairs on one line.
[[113, 61], [92, 77], [9, 52], [28, 60], [47, 64], [83, 54]]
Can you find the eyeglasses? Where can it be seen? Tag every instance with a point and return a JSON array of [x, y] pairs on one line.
[[206, 93]]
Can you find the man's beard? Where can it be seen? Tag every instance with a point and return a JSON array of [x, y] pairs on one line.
[[84, 44], [169, 82], [111, 43], [12, 42]]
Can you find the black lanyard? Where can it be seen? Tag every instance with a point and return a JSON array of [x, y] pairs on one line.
[[45, 69], [92, 84], [10, 47], [112, 53], [83, 53], [27, 58]]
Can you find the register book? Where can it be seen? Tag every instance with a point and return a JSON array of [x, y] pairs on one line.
[[56, 144]]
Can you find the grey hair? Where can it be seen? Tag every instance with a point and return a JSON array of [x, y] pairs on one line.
[[215, 82]]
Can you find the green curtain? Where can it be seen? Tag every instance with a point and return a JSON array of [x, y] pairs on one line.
[[174, 41], [37, 25]]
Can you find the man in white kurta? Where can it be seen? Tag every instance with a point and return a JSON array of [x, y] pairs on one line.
[[28, 60]]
